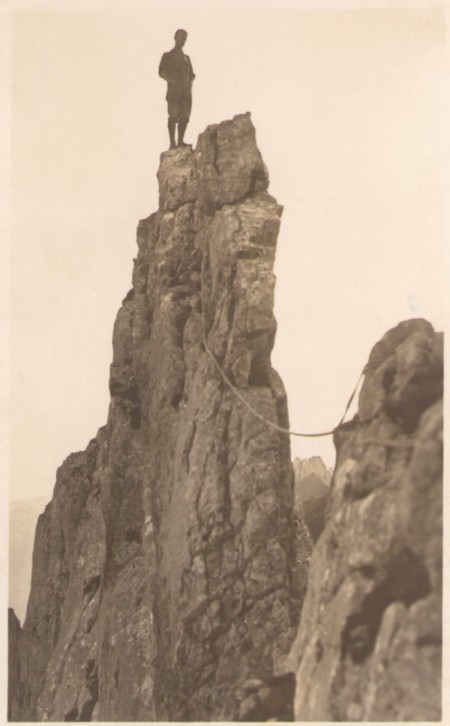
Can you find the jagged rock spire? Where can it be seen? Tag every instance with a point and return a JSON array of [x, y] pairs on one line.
[[166, 568]]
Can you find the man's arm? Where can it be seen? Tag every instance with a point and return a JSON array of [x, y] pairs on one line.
[[164, 69], [191, 72]]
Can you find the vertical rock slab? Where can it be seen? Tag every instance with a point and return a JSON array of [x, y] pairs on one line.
[[23, 516], [227, 588], [369, 643], [84, 551], [168, 568], [229, 165], [14, 650]]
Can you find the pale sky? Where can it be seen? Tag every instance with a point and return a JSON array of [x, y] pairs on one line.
[[348, 107]]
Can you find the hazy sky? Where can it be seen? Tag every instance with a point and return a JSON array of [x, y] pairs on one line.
[[348, 107]]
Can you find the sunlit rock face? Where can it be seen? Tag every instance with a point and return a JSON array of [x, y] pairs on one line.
[[369, 643], [169, 569]]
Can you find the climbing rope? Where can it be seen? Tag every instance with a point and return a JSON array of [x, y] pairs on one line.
[[248, 405]]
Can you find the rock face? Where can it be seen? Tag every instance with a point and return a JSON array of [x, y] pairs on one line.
[[311, 490], [14, 650], [369, 642], [168, 568], [312, 478], [23, 515]]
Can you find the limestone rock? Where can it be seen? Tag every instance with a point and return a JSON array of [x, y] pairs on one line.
[[81, 577], [23, 516], [314, 511], [312, 477], [168, 568], [311, 490], [369, 643], [229, 165], [15, 695], [177, 180], [271, 701]]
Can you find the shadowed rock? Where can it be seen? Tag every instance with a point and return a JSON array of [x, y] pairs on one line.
[[271, 701], [311, 490], [23, 516], [369, 643]]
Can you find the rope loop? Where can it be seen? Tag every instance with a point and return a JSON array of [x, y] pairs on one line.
[[239, 395]]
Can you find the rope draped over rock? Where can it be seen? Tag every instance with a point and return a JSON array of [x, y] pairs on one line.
[[248, 405]]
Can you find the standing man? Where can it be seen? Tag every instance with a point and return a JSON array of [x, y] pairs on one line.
[[176, 68]]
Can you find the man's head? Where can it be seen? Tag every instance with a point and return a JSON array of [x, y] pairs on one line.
[[180, 38]]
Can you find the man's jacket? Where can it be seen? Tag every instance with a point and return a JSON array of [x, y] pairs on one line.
[[176, 67]]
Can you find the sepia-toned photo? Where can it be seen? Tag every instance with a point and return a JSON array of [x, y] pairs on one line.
[[224, 259]]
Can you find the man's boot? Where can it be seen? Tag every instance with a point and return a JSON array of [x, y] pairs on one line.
[[181, 129], [171, 126]]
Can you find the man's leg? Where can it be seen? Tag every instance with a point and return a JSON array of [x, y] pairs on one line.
[[171, 124], [185, 112], [181, 130], [173, 108]]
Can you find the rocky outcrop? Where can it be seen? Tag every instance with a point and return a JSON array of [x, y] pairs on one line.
[[87, 580], [313, 512], [312, 478], [311, 489], [14, 650], [369, 643], [168, 569], [23, 516]]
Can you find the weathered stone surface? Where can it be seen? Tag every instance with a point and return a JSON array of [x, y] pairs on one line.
[[271, 701], [227, 591], [312, 478], [228, 164], [311, 489], [313, 511], [14, 650], [369, 644], [177, 180], [23, 516], [168, 568], [87, 573]]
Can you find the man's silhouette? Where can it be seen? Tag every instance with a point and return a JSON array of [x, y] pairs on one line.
[[176, 68]]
